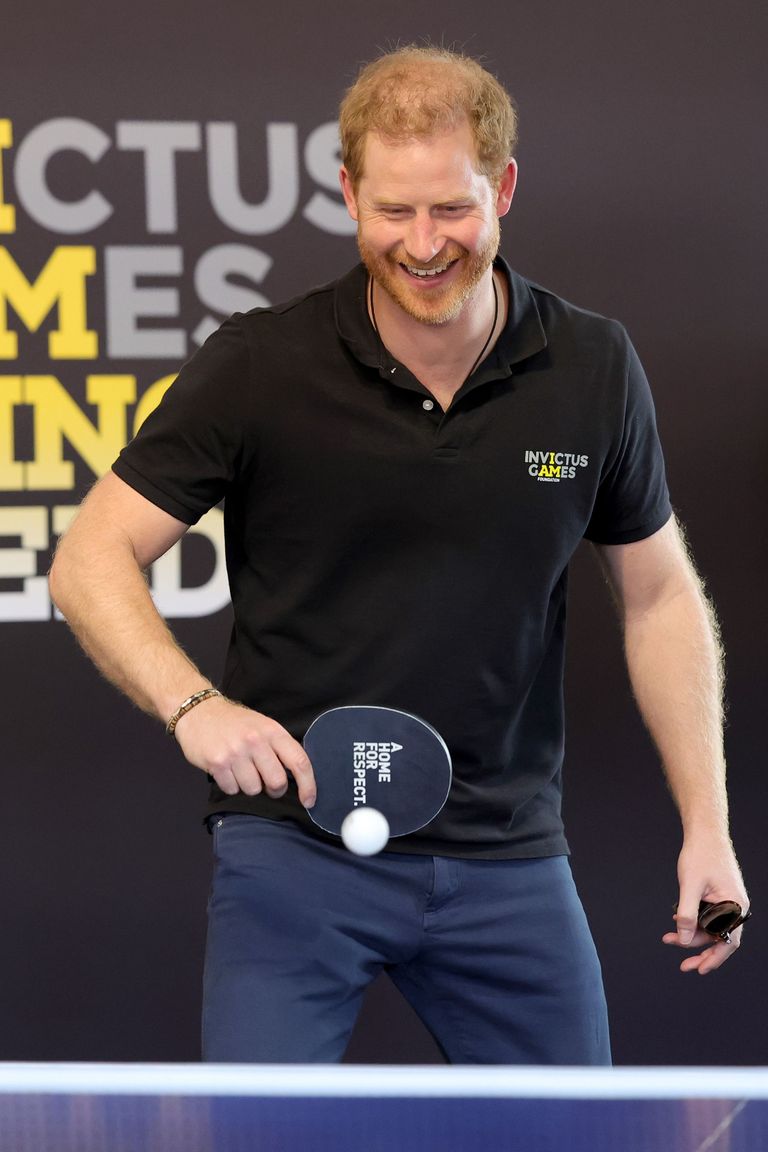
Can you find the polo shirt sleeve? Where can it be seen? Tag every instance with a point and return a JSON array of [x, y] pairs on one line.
[[632, 500], [189, 449]]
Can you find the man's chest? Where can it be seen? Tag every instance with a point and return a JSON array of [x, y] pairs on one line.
[[506, 464]]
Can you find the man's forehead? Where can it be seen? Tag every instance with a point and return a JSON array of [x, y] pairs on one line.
[[388, 159]]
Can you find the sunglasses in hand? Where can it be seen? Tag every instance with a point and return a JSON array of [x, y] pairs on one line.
[[721, 918]]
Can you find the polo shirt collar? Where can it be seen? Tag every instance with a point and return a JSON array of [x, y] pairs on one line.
[[523, 334]]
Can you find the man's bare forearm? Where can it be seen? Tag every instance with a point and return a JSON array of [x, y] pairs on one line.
[[675, 667], [672, 648], [98, 584], [97, 581]]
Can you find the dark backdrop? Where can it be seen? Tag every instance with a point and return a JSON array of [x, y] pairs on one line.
[[642, 195]]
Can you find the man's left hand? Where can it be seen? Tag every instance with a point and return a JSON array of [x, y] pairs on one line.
[[707, 870]]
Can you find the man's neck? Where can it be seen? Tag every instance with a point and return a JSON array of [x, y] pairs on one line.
[[442, 356]]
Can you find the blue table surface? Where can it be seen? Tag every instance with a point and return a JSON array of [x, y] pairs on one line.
[[445, 1114]]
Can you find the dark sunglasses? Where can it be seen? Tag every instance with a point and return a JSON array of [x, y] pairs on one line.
[[721, 918]]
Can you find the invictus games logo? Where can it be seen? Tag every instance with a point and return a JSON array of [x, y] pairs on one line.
[[371, 756], [553, 467]]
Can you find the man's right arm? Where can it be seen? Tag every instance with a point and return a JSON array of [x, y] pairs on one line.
[[98, 583]]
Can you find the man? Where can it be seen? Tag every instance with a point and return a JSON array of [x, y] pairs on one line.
[[409, 458]]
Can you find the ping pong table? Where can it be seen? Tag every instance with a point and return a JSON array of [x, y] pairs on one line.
[[270, 1108]]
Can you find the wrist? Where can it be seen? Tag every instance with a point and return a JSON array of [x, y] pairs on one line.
[[186, 705], [712, 825]]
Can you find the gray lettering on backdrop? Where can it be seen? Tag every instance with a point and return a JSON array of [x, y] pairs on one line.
[[217, 291], [159, 141], [127, 302], [34, 153], [278, 207]]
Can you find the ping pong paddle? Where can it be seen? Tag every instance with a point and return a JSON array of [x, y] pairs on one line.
[[366, 756]]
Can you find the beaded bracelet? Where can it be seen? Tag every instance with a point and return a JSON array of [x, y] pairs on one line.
[[187, 706]]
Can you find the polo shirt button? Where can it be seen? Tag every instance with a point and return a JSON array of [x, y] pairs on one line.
[[427, 405]]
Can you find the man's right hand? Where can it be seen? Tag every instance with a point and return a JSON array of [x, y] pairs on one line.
[[244, 751]]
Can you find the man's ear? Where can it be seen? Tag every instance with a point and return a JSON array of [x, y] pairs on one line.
[[348, 192], [507, 187]]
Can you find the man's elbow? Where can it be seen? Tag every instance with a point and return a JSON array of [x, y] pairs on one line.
[[61, 576], [73, 562]]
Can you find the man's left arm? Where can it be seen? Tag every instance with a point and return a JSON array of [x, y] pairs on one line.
[[673, 655]]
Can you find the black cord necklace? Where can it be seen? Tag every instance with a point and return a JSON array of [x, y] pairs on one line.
[[488, 338]]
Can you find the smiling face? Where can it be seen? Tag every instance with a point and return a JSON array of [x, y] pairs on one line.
[[427, 221]]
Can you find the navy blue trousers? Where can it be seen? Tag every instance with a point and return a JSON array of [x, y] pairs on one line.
[[494, 956]]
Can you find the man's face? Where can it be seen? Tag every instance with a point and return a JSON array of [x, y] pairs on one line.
[[427, 221]]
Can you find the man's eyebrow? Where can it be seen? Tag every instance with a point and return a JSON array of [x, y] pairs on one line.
[[384, 201]]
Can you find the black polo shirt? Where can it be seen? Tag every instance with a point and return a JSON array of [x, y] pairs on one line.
[[383, 552]]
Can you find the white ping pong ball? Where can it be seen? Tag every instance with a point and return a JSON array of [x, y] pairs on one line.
[[365, 831]]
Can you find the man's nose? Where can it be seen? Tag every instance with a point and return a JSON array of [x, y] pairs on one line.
[[423, 239]]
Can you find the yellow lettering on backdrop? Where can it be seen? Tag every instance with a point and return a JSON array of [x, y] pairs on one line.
[[62, 283], [57, 417], [7, 211], [11, 471]]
